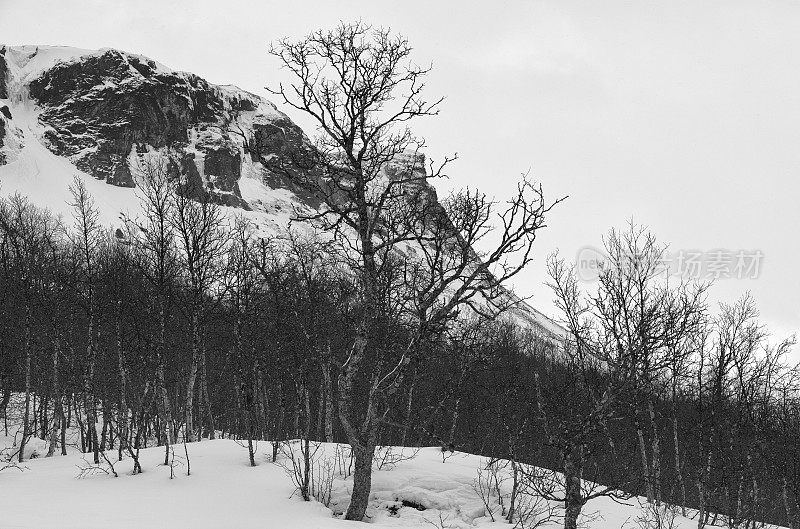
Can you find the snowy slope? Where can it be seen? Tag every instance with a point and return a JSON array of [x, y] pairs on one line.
[[224, 491], [42, 176], [420, 489]]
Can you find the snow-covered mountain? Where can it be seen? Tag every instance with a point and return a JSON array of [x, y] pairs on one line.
[[70, 111], [67, 111]]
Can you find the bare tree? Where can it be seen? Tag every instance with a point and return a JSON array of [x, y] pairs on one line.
[[153, 236], [241, 288], [200, 230], [28, 239], [349, 80], [360, 87], [86, 237], [647, 322]]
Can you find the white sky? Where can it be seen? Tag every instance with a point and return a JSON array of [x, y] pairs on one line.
[[684, 116]]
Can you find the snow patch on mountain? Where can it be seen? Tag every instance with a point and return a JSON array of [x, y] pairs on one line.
[[33, 171], [28, 62]]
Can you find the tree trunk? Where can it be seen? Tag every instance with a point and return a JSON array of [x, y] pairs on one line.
[[739, 498], [26, 416], [238, 409], [296, 433], [786, 508], [190, 383], [235, 355], [64, 426], [678, 471], [362, 481], [319, 428], [643, 454], [326, 374], [165, 408], [512, 502], [58, 421], [88, 381], [212, 427], [701, 523], [655, 477], [452, 435], [122, 416], [363, 451], [409, 406], [280, 428], [43, 422], [327, 389], [262, 403], [58, 406], [58, 412], [106, 436], [6, 399], [306, 449], [573, 497], [702, 516], [251, 452]]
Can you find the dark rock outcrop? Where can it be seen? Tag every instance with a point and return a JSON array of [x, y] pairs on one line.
[[287, 156], [222, 162], [2, 136], [3, 70], [102, 107]]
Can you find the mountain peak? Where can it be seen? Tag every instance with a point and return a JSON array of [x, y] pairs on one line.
[[27, 62]]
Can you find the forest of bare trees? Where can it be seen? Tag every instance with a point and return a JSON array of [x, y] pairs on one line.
[[652, 391], [388, 325]]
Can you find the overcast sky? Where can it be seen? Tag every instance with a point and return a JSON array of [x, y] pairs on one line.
[[684, 116]]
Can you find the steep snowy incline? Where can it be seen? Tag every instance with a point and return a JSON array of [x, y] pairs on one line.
[[32, 170]]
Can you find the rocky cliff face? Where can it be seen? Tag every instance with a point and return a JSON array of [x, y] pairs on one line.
[[99, 109], [3, 69], [103, 107], [2, 136]]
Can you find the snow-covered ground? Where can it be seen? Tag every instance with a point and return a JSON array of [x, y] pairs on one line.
[[224, 491]]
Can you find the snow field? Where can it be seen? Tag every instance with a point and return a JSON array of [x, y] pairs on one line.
[[224, 491]]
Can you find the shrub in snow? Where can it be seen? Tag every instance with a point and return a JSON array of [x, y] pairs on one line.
[[510, 490], [387, 457], [314, 466], [8, 460], [105, 466], [654, 516]]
